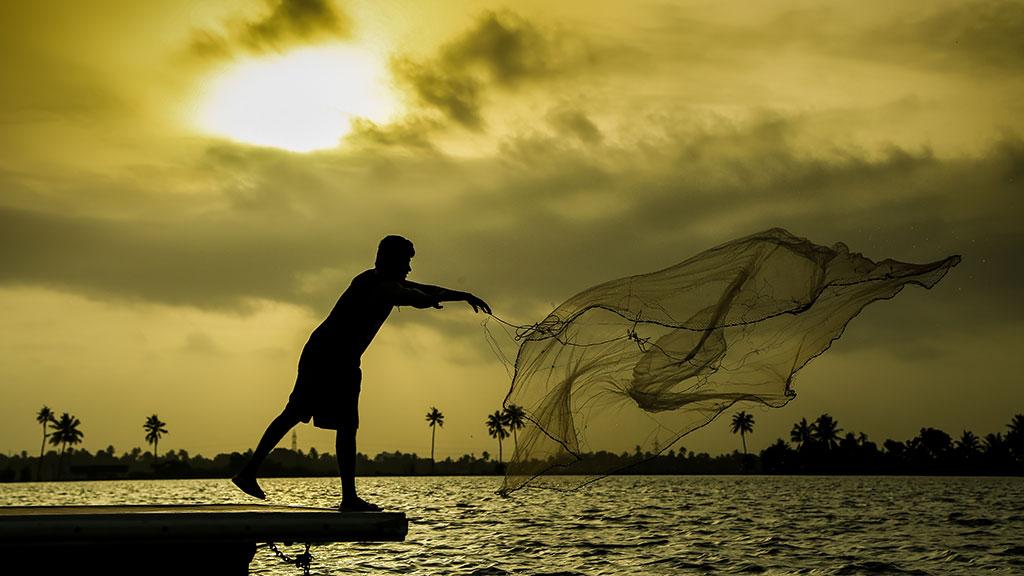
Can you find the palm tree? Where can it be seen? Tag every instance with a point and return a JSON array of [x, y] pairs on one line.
[[514, 416], [826, 430], [44, 417], [1015, 436], [154, 430], [933, 443], [968, 442], [801, 433], [968, 445], [997, 451], [743, 424], [496, 428], [995, 445], [65, 432], [435, 419]]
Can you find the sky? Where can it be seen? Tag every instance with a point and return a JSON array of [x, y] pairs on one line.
[[186, 187]]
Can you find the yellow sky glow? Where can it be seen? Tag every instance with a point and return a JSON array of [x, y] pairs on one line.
[[167, 243], [301, 101]]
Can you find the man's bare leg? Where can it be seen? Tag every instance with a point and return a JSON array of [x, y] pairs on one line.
[[245, 479], [345, 444]]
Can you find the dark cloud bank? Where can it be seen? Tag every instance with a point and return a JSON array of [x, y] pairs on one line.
[[974, 38], [286, 23], [501, 51], [527, 227]]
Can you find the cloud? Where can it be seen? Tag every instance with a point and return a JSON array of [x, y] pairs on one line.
[[674, 197], [985, 35], [977, 38], [507, 48], [410, 132], [529, 227], [575, 123], [68, 92], [456, 94], [201, 343], [288, 23], [295, 20], [501, 50], [133, 260]]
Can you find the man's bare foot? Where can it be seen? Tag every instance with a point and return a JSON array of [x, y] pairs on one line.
[[248, 485], [357, 504]]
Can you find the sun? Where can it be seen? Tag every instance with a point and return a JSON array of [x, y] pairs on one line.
[[301, 101]]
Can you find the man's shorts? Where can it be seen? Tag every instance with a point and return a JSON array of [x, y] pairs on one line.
[[327, 393]]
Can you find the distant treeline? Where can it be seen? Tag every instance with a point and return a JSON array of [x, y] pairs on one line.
[[817, 447], [106, 465], [932, 452]]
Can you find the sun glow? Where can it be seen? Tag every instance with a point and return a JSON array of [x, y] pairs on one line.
[[300, 101]]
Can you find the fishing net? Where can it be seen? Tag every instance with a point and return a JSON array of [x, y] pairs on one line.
[[655, 356]]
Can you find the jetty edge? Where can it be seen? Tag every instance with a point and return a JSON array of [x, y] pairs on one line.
[[178, 539]]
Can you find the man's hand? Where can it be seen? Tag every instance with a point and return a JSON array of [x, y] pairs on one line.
[[478, 304]]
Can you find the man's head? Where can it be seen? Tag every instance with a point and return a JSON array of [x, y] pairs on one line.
[[393, 256]]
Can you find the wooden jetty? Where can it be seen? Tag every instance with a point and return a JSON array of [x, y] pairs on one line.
[[188, 540]]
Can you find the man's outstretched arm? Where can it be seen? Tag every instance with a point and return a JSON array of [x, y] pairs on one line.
[[439, 294]]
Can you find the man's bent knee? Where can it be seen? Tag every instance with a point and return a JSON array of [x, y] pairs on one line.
[[289, 416]]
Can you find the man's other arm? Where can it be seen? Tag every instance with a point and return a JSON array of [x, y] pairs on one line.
[[401, 293], [439, 294]]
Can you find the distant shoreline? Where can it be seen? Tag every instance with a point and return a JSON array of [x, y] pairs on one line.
[[776, 460]]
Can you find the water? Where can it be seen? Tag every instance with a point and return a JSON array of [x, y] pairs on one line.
[[637, 525]]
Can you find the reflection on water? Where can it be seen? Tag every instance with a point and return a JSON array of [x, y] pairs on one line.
[[637, 525]]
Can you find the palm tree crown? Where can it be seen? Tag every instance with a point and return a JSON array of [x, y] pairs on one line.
[[515, 418], [968, 444], [826, 430], [1016, 425], [434, 418], [743, 424], [995, 444], [496, 428], [65, 433], [801, 433], [1015, 435], [44, 417], [155, 429]]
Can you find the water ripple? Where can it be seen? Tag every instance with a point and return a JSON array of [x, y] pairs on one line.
[[639, 525]]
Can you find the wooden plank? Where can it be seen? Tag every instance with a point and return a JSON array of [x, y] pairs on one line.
[[209, 523]]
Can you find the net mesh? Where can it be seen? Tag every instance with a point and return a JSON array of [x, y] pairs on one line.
[[650, 358]]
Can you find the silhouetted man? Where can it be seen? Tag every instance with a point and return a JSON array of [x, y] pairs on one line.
[[327, 386]]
